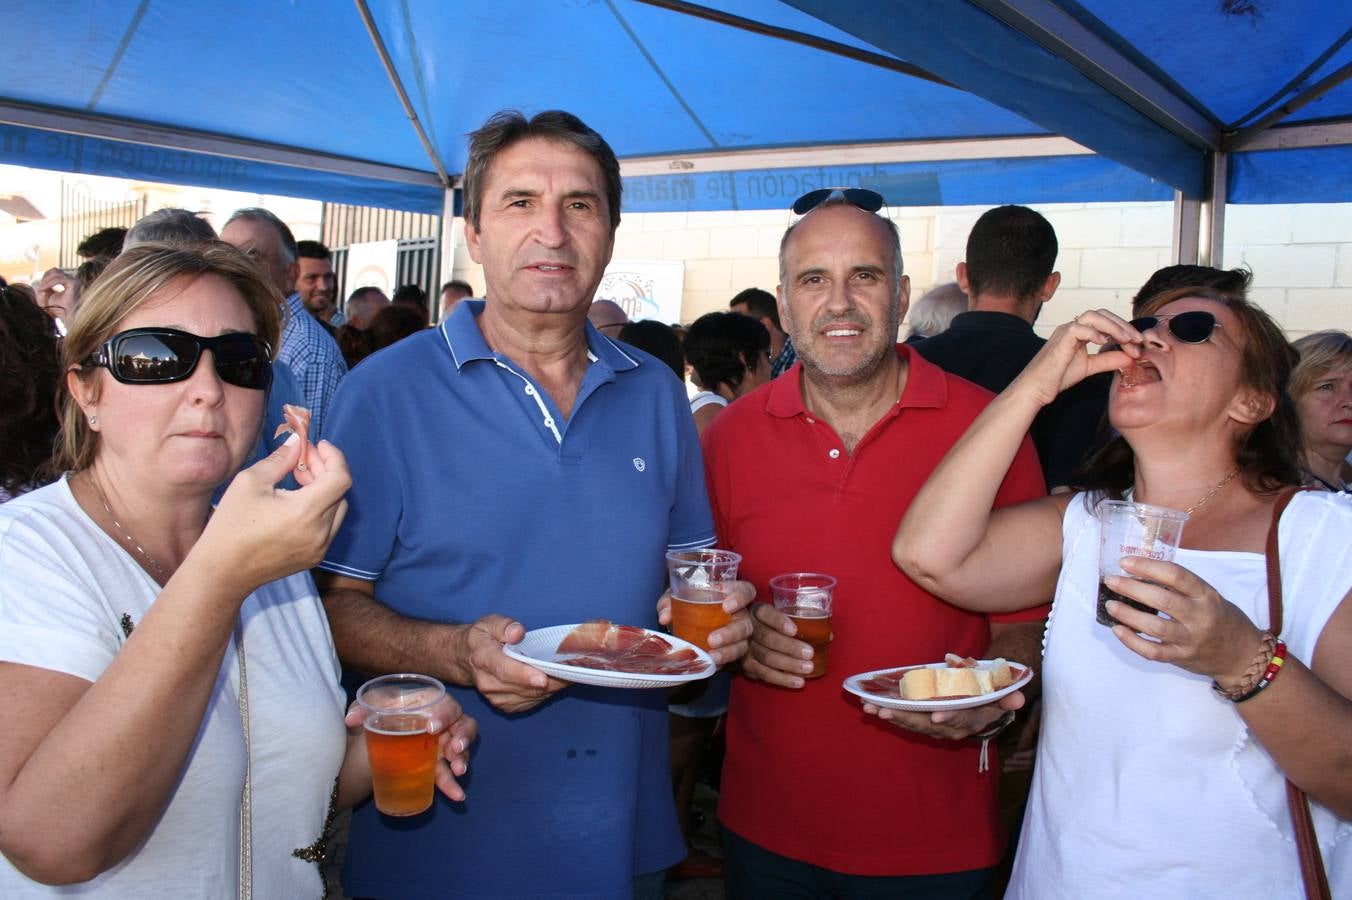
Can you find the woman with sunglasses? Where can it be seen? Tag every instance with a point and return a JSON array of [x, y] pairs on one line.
[[173, 719], [1166, 739], [1321, 385]]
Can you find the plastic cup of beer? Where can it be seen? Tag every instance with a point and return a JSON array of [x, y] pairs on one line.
[[403, 754], [806, 597], [700, 581], [1133, 529]]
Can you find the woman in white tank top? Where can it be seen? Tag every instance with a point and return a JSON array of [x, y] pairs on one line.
[[1167, 740]]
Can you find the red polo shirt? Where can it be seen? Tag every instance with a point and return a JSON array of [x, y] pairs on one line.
[[808, 775]]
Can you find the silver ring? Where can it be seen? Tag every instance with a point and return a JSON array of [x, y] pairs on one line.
[[303, 467]]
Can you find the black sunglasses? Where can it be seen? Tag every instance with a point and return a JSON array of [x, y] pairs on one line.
[[861, 198], [1193, 327], [166, 355]]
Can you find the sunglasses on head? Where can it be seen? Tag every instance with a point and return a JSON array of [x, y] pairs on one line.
[[1193, 327], [860, 198], [166, 355]]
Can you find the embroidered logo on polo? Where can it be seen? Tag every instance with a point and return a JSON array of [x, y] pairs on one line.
[[639, 464]]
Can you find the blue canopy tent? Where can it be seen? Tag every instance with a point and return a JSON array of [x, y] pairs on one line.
[[731, 105]]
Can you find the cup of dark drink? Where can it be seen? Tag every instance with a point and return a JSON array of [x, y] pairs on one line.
[[700, 581], [1133, 529], [806, 598]]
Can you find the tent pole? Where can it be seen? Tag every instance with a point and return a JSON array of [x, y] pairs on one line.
[[1240, 139], [398, 86], [1187, 228], [451, 233], [1212, 249], [798, 37], [1199, 224]]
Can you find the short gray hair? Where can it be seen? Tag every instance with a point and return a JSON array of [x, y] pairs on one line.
[[259, 214], [170, 225], [934, 311]]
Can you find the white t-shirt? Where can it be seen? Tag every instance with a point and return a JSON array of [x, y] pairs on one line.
[[1148, 783], [65, 588]]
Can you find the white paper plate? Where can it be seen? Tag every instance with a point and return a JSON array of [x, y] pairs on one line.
[[852, 684], [538, 648]]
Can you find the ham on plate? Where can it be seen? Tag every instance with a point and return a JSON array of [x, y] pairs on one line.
[[625, 648]]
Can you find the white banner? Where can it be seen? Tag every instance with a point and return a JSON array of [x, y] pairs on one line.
[[645, 289], [373, 265]]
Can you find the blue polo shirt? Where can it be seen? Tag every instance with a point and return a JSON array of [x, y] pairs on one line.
[[471, 494]]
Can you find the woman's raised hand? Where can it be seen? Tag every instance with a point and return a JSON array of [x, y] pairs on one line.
[[1066, 359], [260, 533]]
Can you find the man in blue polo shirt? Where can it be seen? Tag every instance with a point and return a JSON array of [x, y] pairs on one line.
[[515, 469]]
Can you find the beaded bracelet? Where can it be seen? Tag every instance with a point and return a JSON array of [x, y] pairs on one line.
[[1254, 673]]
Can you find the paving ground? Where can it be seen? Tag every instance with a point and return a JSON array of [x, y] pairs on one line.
[[705, 838]]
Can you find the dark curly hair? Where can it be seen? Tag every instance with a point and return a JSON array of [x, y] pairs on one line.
[[29, 372], [722, 347], [1267, 454]]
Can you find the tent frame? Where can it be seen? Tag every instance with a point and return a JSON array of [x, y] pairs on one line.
[[1198, 224]]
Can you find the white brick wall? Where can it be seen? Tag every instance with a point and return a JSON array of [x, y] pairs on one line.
[[1342, 275], [1290, 265], [1301, 255]]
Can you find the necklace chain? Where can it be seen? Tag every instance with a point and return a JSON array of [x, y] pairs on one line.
[[1213, 492], [126, 535]]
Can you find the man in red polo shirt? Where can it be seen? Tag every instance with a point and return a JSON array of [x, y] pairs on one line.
[[811, 473]]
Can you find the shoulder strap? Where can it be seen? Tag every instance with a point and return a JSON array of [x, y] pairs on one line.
[[1307, 843], [1274, 573]]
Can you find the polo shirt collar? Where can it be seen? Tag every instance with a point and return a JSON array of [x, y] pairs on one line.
[[466, 342], [926, 387]]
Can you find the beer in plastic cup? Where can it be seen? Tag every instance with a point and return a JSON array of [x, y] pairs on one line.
[[403, 753], [1133, 529], [700, 581], [806, 598]]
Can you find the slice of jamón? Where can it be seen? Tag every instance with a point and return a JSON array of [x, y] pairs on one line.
[[625, 648]]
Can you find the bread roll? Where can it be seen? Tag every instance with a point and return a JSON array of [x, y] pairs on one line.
[[970, 679], [1001, 675], [956, 683], [918, 684]]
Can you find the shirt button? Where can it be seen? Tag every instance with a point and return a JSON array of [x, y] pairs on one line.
[[834, 454], [549, 423], [811, 421], [530, 391]]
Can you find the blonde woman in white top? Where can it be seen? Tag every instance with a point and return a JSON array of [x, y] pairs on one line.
[[173, 720]]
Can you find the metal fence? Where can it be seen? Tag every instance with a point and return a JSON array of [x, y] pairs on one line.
[[82, 215], [418, 235]]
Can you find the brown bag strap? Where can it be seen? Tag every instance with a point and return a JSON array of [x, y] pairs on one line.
[[1307, 844]]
